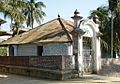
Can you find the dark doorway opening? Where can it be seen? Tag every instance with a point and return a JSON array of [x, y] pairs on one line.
[[39, 50], [11, 50]]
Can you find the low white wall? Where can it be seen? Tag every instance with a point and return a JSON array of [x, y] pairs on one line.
[[57, 49], [27, 50], [48, 49]]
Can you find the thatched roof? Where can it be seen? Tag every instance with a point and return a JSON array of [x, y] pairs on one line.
[[2, 21], [4, 33], [19, 31], [51, 31]]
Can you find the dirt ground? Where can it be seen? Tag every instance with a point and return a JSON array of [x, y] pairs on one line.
[[86, 79]]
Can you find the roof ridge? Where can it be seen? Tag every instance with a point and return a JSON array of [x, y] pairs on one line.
[[63, 27], [46, 23]]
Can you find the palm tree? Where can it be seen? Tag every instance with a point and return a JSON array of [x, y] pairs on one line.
[[103, 13], [113, 4], [12, 9], [112, 7], [33, 12], [22, 10]]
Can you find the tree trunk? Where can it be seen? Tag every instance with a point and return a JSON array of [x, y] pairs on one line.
[[32, 19]]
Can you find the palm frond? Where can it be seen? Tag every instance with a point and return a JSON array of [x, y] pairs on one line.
[[40, 5], [104, 44]]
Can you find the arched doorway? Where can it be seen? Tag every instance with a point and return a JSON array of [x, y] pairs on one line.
[[91, 51], [86, 28], [87, 54]]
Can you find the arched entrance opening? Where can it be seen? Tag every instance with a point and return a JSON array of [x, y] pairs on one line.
[[91, 46], [86, 28], [87, 54]]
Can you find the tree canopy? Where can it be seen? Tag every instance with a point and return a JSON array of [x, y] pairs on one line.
[[21, 11], [104, 13]]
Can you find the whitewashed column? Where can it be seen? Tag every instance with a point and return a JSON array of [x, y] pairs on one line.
[[96, 46], [77, 36], [80, 53], [98, 54]]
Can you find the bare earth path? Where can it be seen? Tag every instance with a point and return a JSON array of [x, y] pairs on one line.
[[87, 79]]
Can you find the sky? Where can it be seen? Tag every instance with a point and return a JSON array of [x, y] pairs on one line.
[[65, 8]]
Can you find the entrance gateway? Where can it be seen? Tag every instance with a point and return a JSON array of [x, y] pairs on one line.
[[88, 47], [87, 58]]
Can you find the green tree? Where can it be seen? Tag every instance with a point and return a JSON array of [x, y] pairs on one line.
[[105, 26], [3, 51], [103, 14], [33, 11], [12, 9], [20, 11], [113, 4]]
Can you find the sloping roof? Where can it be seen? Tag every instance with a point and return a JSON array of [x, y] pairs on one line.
[[23, 29], [4, 33], [20, 31], [51, 31]]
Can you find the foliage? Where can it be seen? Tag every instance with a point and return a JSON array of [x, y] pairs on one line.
[[113, 4], [33, 11], [12, 9], [20, 11], [3, 51], [103, 13]]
